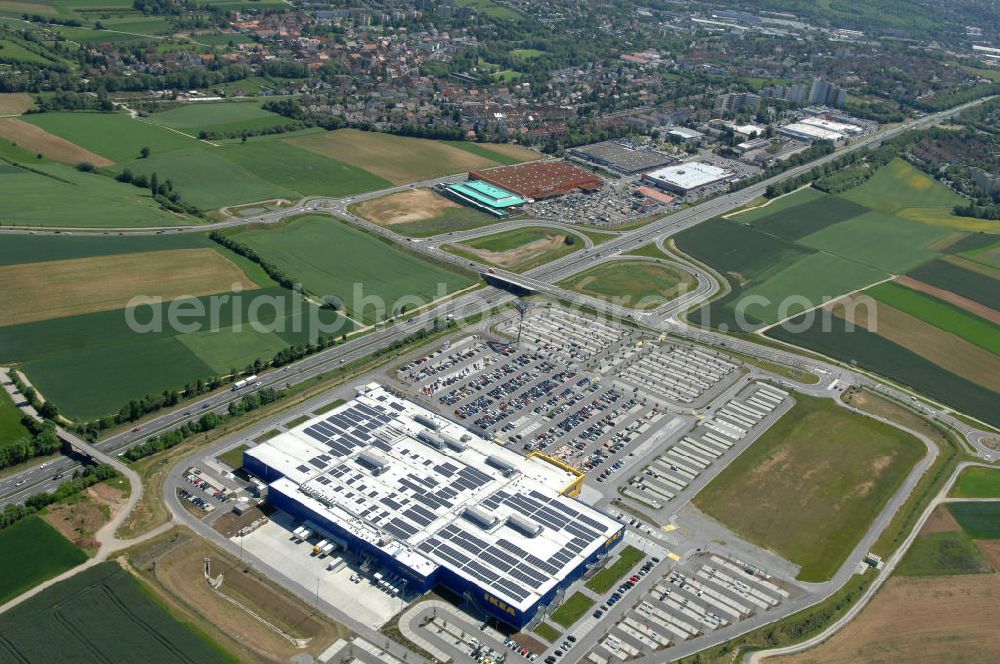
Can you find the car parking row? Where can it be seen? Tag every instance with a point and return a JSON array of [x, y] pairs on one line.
[[678, 374], [222, 494], [197, 501], [693, 599], [670, 473], [573, 336]]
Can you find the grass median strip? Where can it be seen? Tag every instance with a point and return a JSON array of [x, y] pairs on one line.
[[571, 609], [604, 580]]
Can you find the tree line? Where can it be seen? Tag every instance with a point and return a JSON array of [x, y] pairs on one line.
[[206, 422], [247, 252]]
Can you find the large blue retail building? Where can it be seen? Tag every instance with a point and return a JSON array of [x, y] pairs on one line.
[[433, 503]]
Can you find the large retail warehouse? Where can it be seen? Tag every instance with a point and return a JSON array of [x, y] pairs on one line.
[[433, 502]]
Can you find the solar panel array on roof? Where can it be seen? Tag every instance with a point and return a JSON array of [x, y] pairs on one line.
[[365, 465], [337, 431]]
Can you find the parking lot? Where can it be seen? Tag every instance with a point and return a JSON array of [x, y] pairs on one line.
[[714, 441], [556, 392], [696, 597], [685, 376]]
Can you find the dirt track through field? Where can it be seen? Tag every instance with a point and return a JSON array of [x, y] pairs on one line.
[[55, 289], [50, 146], [965, 303], [922, 619], [405, 207], [948, 351]]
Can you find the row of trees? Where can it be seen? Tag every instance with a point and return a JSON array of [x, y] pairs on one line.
[[88, 477], [163, 192], [247, 252]]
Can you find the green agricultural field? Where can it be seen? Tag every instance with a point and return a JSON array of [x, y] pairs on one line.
[[636, 284], [520, 249], [489, 8], [329, 257], [776, 205], [93, 364], [808, 282], [113, 135], [967, 283], [812, 246], [898, 186], [880, 241], [978, 520], [940, 314], [11, 429], [793, 222], [892, 360], [219, 116], [45, 193], [983, 252], [493, 152], [938, 554], [18, 52], [293, 168], [526, 53], [17, 249], [32, 551], [108, 615], [572, 609], [605, 580], [977, 482], [809, 488], [206, 179]]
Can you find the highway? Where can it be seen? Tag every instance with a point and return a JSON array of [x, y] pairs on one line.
[[16, 487]]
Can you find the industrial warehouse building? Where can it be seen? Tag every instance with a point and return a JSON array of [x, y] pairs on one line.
[[538, 180], [435, 503], [621, 158], [687, 178]]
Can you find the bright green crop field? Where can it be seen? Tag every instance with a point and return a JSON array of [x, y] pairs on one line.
[[977, 482], [329, 257], [32, 551], [113, 135], [108, 615]]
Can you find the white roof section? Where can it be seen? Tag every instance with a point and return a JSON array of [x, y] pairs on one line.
[[810, 132], [830, 125], [690, 175], [684, 132], [520, 536]]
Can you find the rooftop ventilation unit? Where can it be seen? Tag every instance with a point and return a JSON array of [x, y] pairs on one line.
[[420, 418], [455, 443], [525, 526], [432, 439], [480, 517], [504, 466], [373, 462]]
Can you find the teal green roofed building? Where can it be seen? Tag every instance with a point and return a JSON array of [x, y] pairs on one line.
[[483, 196]]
